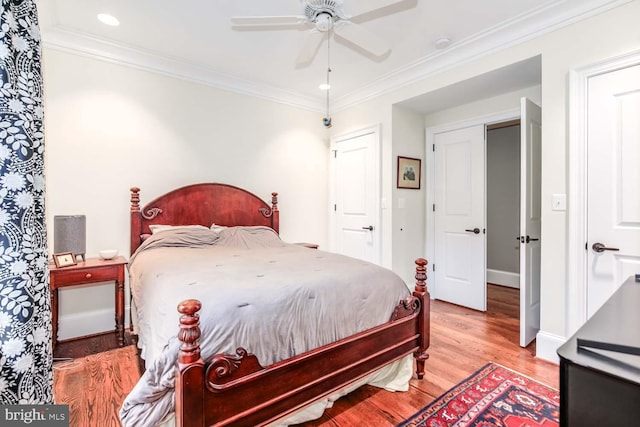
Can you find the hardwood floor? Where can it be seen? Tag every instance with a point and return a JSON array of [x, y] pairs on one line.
[[462, 341]]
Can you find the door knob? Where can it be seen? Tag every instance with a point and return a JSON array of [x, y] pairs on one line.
[[474, 231], [370, 228], [599, 247], [529, 239]]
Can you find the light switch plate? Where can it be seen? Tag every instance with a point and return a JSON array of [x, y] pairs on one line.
[[559, 202]]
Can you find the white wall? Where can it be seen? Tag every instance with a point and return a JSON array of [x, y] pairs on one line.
[[611, 33], [585, 42], [504, 102], [407, 205], [109, 127]]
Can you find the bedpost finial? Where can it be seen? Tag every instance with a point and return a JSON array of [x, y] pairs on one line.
[[189, 334], [135, 198], [274, 201], [421, 274], [189, 307]]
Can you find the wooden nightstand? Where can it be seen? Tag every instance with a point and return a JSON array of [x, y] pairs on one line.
[[93, 270]]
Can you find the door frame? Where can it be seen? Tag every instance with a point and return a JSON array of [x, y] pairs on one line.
[[576, 296], [377, 187], [430, 175]]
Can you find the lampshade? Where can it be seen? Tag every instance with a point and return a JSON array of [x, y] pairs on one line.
[[70, 234]]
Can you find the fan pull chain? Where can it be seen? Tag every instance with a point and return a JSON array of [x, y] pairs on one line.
[[327, 119]]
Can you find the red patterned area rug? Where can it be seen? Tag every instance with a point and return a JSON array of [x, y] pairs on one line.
[[493, 396]]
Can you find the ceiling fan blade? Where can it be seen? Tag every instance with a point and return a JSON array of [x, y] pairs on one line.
[[362, 7], [357, 35], [266, 21], [310, 48]]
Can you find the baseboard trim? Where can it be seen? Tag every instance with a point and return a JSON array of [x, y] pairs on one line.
[[546, 346], [88, 323], [503, 278]]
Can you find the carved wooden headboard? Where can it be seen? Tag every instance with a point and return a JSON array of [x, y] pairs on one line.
[[203, 204]]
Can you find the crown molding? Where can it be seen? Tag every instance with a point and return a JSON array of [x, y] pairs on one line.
[[517, 30], [83, 44]]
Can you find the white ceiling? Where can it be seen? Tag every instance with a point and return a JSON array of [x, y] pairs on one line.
[[194, 39]]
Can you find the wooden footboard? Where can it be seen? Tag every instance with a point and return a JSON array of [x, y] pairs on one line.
[[234, 390]]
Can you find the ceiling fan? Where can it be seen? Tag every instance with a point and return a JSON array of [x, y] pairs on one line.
[[322, 16]]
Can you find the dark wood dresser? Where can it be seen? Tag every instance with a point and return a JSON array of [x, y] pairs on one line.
[[600, 365]]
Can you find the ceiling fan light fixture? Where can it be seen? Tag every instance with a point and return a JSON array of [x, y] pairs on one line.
[[108, 19], [324, 21]]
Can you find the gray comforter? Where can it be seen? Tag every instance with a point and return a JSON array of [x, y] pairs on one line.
[[258, 292]]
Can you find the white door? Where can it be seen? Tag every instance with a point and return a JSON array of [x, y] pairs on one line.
[[530, 210], [355, 196], [459, 217], [613, 182]]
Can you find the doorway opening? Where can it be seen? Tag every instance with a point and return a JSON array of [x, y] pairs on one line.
[[457, 213], [503, 217]]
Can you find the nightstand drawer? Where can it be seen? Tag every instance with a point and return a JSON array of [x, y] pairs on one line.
[[88, 275]]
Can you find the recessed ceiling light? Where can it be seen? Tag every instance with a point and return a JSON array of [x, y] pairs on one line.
[[107, 19], [442, 42], [324, 86]]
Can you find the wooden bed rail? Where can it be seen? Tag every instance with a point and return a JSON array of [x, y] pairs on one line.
[[235, 390]]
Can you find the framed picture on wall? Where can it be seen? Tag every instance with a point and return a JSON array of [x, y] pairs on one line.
[[408, 173]]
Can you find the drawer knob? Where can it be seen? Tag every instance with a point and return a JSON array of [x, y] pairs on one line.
[[88, 276]]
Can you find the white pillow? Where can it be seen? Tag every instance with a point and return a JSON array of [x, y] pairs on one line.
[[156, 228]]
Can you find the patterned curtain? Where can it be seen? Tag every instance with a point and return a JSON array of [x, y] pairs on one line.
[[26, 375]]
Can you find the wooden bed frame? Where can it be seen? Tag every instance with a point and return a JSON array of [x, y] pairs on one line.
[[235, 390]]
